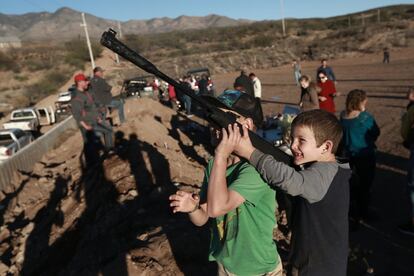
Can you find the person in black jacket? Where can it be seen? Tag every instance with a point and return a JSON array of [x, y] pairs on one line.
[[101, 91], [244, 83]]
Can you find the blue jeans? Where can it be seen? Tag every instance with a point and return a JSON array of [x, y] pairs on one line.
[[118, 104], [410, 182], [99, 130], [297, 77], [187, 104]]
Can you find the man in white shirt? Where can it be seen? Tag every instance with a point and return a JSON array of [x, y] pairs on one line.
[[256, 85]]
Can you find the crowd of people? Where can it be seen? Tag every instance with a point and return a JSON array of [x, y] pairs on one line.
[[238, 194], [334, 162]]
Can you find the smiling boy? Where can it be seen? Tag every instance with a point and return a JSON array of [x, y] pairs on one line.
[[320, 227], [236, 200]]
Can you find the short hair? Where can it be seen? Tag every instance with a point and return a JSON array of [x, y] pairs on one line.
[[354, 99], [305, 78], [252, 75], [324, 59], [324, 125]]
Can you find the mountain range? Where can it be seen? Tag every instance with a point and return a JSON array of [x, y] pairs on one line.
[[65, 24]]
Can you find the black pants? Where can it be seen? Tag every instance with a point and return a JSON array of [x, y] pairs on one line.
[[363, 173]]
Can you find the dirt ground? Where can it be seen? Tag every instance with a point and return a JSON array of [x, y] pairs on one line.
[[71, 217]]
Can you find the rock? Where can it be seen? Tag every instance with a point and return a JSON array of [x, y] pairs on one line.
[[28, 229], [19, 258], [13, 270], [157, 266], [3, 269], [143, 237], [133, 193], [17, 210], [4, 234]]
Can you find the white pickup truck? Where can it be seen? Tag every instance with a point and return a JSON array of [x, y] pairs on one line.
[[30, 119], [12, 140]]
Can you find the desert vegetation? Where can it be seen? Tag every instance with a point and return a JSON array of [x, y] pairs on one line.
[[37, 70]]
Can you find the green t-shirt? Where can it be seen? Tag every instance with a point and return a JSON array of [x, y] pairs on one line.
[[242, 240]]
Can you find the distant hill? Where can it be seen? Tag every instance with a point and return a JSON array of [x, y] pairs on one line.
[[65, 24]]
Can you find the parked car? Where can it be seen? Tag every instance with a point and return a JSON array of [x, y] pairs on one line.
[[62, 105], [30, 119], [65, 96], [139, 86], [13, 140]]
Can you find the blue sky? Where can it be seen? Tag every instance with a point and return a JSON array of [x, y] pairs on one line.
[[249, 9]]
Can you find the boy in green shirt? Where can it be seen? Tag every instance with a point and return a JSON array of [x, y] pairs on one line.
[[240, 204]]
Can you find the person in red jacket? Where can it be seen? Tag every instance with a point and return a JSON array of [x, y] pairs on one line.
[[327, 93]]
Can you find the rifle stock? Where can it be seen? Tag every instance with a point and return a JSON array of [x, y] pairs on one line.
[[214, 114]]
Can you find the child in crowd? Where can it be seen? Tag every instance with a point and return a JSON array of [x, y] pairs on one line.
[[319, 245], [309, 94], [327, 92], [235, 200], [360, 133]]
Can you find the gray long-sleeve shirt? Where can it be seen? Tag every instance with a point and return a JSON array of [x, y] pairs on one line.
[[311, 183], [319, 244], [101, 91]]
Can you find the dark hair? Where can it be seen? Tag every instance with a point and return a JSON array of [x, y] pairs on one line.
[[324, 59], [305, 78], [252, 75], [324, 125], [354, 99], [322, 72]]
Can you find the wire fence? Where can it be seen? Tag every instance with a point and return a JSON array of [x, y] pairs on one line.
[[25, 159]]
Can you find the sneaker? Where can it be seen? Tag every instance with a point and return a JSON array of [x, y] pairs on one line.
[[190, 115], [407, 229]]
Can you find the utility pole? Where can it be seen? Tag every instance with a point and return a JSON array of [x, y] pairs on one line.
[[349, 21], [379, 16], [120, 29], [120, 35], [283, 18], [87, 40]]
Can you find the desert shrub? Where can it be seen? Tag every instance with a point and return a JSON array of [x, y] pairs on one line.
[[139, 43], [77, 52], [38, 64], [262, 41], [48, 85], [20, 77], [8, 63]]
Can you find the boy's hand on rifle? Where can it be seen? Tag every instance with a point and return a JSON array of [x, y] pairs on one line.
[[244, 148], [229, 139], [184, 202]]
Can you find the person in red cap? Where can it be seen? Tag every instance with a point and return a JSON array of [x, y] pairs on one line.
[[90, 122]]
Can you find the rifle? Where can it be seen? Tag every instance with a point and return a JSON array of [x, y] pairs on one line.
[[213, 114]]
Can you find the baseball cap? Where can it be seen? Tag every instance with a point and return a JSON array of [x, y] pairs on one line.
[[80, 77], [98, 69], [240, 102]]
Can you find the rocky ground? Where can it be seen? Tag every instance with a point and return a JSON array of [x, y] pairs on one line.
[[68, 217]]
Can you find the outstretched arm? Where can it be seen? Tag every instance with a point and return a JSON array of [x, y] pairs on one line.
[[185, 202], [311, 184]]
